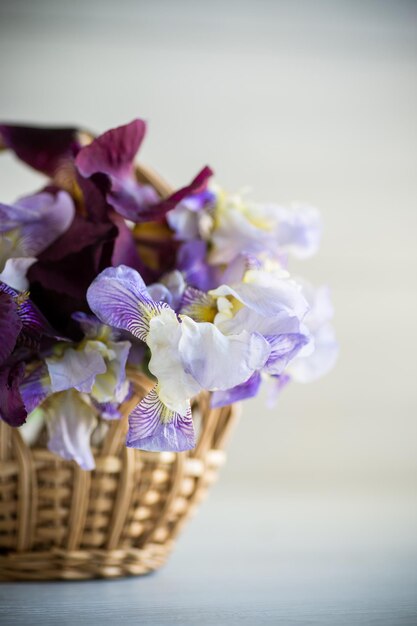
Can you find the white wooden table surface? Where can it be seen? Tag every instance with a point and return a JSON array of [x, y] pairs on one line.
[[268, 558]]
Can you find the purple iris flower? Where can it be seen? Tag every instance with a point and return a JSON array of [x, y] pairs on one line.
[[97, 367], [27, 228], [272, 307], [192, 262], [21, 330], [186, 357]]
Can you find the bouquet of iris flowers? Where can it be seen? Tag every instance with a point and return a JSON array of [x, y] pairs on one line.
[[102, 276]]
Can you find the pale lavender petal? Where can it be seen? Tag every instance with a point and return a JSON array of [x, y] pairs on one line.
[[39, 220], [299, 230], [184, 222], [118, 364], [169, 290], [276, 385], [75, 369], [119, 298], [217, 361], [70, 423], [321, 306], [246, 390], [306, 369], [175, 283], [160, 293], [154, 427], [236, 235], [311, 364], [268, 296], [283, 349], [235, 270], [184, 219], [251, 321], [112, 384]]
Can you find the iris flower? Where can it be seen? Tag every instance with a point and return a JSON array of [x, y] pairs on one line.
[[186, 357], [272, 307], [21, 329], [234, 227], [27, 228], [97, 367]]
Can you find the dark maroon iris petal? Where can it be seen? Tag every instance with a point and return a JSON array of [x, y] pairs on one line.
[[41, 148], [127, 205], [125, 250], [197, 185], [113, 152], [94, 191], [12, 409], [60, 278]]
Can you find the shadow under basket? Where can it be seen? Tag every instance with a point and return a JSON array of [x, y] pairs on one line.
[[58, 521]]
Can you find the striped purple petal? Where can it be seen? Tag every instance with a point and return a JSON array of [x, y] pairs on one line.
[[33, 324], [119, 298], [283, 349], [152, 426]]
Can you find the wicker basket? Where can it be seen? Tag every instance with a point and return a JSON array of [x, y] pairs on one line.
[[60, 522]]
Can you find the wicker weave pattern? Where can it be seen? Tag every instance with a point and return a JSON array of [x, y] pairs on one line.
[[58, 521]]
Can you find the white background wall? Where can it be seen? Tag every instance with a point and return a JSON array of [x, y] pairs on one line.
[[311, 101]]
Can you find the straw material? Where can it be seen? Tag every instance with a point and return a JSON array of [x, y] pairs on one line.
[[58, 521]]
